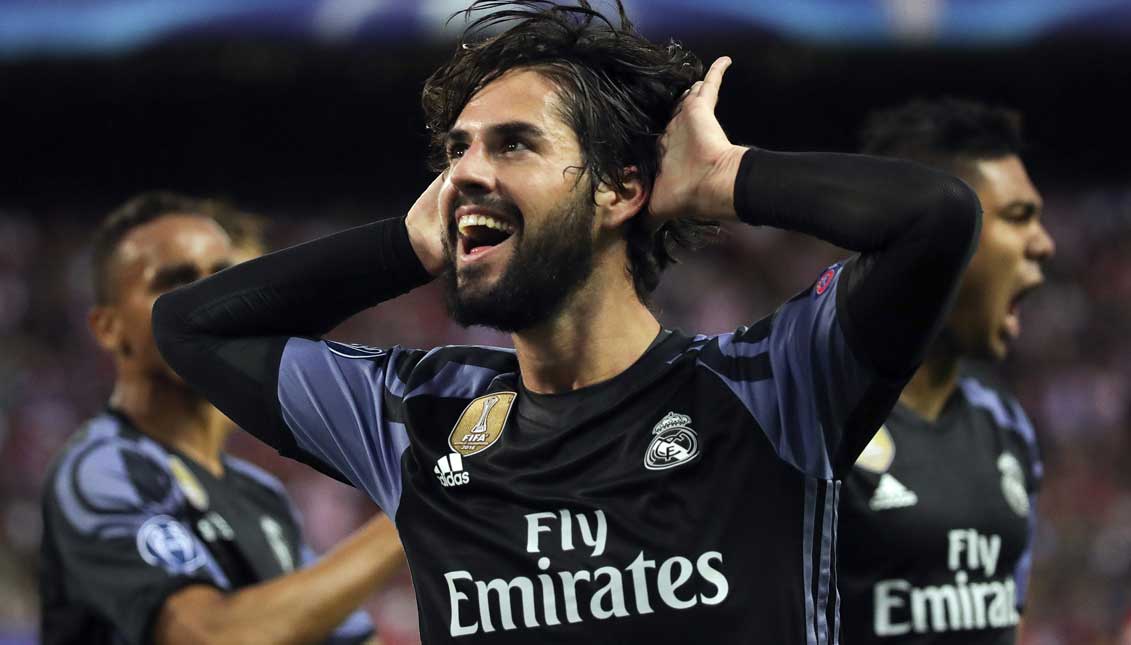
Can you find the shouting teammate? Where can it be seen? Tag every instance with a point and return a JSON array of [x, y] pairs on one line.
[[937, 515], [608, 480], [151, 533]]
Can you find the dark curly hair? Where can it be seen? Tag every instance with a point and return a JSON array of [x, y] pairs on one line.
[[947, 133], [618, 91]]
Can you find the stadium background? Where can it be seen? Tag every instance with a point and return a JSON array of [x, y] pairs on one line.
[[307, 111]]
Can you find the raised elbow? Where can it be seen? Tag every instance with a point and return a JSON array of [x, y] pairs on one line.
[[956, 219], [170, 329]]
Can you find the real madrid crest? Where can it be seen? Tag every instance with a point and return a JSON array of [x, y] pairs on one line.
[[673, 443], [188, 483], [481, 423], [878, 454], [1013, 484]]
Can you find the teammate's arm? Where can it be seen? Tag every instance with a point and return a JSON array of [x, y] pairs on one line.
[[301, 607]]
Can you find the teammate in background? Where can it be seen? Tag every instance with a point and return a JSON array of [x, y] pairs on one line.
[[937, 516], [246, 231], [152, 533], [608, 480]]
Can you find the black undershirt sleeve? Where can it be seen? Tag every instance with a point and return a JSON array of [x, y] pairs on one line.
[[225, 334], [915, 230]]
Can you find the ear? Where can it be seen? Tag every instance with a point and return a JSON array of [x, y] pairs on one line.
[[615, 207], [105, 324]]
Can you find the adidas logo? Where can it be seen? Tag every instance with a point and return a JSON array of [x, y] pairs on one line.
[[891, 494], [449, 470]]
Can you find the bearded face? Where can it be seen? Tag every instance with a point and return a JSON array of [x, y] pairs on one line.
[[519, 216], [543, 265]]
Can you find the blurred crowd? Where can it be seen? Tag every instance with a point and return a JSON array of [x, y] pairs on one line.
[[1071, 369]]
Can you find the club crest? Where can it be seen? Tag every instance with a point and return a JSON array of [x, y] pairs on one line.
[[673, 443], [1013, 484], [878, 454], [481, 423]]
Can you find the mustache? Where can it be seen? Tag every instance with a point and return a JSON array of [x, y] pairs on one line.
[[492, 203]]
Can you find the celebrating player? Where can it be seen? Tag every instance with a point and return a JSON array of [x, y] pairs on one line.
[[608, 480], [937, 515], [152, 534]]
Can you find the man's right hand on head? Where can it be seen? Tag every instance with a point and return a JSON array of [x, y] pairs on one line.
[[426, 229]]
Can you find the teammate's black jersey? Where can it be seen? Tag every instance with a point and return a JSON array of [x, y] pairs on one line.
[[129, 521], [936, 524], [654, 507]]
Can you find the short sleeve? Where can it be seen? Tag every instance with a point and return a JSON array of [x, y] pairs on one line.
[[795, 371], [344, 406], [110, 512]]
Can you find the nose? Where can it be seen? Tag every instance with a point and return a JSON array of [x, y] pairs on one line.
[[472, 173], [1041, 245]]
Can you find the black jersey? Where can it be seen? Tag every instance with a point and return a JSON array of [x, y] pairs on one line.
[[937, 522], [691, 497], [128, 521]]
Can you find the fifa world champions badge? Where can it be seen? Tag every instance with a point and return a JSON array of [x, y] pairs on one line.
[[481, 423], [674, 443]]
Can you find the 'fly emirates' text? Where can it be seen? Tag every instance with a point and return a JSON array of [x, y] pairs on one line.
[[552, 597]]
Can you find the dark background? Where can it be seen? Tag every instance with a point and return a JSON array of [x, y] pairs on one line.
[[275, 123]]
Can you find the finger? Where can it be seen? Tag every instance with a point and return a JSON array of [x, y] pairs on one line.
[[713, 80]]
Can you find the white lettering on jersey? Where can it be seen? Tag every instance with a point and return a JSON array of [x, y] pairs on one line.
[[594, 535], [981, 551], [449, 470], [599, 594], [901, 608]]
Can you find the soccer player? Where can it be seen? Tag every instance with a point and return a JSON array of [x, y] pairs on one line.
[[151, 533], [937, 516], [608, 480]]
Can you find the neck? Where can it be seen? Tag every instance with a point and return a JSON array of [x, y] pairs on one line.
[[602, 330], [173, 415], [928, 390]]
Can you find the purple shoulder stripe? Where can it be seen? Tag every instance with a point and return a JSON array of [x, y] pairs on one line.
[[813, 381], [333, 400]]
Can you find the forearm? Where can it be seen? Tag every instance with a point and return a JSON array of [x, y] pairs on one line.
[[914, 227], [305, 290], [858, 202], [302, 607], [225, 334]]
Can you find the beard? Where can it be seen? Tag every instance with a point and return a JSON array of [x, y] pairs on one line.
[[547, 266]]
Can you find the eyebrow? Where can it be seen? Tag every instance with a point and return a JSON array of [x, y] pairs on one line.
[[1022, 207], [508, 129], [182, 273], [174, 274]]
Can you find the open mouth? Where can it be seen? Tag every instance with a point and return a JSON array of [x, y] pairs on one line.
[[479, 233], [1013, 313]]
